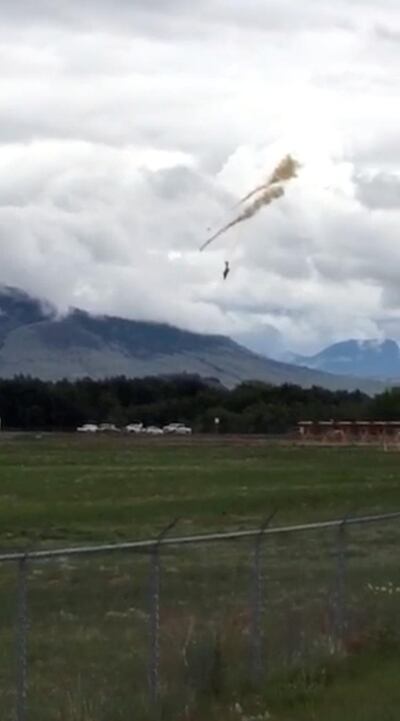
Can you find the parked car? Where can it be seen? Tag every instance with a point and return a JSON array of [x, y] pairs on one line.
[[108, 428], [178, 428], [88, 428], [154, 431], [134, 428], [183, 431], [172, 427]]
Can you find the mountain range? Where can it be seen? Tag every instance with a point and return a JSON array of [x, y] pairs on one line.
[[36, 341], [362, 358]]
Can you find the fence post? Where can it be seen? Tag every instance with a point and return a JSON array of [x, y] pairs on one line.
[[340, 611], [22, 641], [256, 635], [154, 604]]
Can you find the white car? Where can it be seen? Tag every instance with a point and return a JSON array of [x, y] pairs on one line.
[[172, 427], [154, 431], [88, 428], [183, 431], [134, 428], [108, 428], [178, 428]]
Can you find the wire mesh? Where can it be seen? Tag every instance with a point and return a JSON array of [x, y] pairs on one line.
[[372, 592], [298, 573], [161, 631], [205, 620], [9, 642], [88, 639]]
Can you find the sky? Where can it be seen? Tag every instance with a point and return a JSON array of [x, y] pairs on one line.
[[128, 130]]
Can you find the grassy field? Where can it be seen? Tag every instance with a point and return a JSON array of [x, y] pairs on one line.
[[89, 620], [72, 489]]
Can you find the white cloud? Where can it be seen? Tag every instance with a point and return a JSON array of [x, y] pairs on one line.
[[128, 129]]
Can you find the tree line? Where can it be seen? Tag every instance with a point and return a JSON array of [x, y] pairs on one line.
[[252, 407]]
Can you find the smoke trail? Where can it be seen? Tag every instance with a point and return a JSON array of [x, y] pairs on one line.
[[269, 191], [286, 170], [267, 197]]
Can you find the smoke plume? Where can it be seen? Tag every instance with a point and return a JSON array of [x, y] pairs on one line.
[[268, 192], [283, 172]]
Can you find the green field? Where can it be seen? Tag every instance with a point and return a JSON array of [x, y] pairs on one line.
[[89, 619], [72, 489]]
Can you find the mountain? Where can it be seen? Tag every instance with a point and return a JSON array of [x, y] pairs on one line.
[[18, 309], [365, 359], [35, 341]]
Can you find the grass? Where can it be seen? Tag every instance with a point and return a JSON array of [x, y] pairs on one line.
[[89, 619], [365, 689], [362, 687], [74, 489]]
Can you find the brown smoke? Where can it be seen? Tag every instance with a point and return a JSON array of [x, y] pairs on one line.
[[286, 170]]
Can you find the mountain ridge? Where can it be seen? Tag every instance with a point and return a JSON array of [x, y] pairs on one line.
[[36, 341], [369, 358]]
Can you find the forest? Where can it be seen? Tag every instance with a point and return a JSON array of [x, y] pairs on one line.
[[252, 407]]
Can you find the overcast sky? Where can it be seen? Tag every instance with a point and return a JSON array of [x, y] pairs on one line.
[[128, 128]]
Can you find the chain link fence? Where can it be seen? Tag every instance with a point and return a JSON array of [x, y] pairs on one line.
[[158, 628]]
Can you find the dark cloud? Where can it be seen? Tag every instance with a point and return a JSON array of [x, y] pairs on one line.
[[381, 192], [129, 128]]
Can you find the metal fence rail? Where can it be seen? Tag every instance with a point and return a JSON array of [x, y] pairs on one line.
[[199, 538], [188, 587]]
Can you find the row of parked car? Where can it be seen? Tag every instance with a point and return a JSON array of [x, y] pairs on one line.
[[178, 429]]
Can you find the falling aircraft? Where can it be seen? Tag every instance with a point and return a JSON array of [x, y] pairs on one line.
[[226, 270]]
